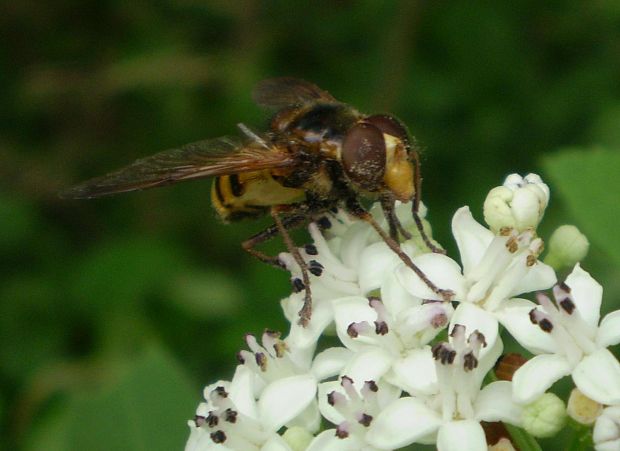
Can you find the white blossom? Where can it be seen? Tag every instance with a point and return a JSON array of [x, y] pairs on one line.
[[391, 380], [568, 338]]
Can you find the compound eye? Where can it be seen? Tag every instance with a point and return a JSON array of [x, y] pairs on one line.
[[363, 156], [390, 126]]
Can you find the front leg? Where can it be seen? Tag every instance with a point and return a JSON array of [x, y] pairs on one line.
[[355, 209]]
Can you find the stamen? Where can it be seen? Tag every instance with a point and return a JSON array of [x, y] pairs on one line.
[[311, 249], [218, 437], [298, 285]]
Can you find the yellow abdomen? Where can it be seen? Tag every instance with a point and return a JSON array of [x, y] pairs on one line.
[[249, 195]]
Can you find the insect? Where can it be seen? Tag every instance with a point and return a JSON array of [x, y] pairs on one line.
[[317, 154]]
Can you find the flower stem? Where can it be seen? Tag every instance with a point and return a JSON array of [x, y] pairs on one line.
[[521, 439]]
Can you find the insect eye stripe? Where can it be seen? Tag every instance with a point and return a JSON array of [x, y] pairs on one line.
[[236, 187]]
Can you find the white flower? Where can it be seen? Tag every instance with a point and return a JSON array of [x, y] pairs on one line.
[[606, 434], [348, 258], [495, 269], [451, 416], [519, 203], [390, 338], [569, 340], [233, 418]]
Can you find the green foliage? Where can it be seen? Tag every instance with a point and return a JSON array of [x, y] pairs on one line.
[[588, 183], [137, 410], [486, 88]]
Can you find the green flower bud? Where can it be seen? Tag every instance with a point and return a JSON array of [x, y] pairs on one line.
[[545, 416], [567, 247], [297, 438]]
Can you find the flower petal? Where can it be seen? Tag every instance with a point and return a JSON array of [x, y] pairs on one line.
[[275, 443], [284, 399], [241, 391], [354, 241], [394, 296], [330, 361], [327, 441], [514, 315], [494, 403], [444, 272], [407, 372], [475, 318], [401, 423], [609, 330], [353, 309], [539, 277], [377, 261], [464, 435], [598, 377], [587, 294], [306, 336], [368, 365], [606, 433], [537, 375], [472, 238]]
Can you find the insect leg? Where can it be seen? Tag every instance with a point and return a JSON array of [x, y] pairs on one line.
[[248, 245], [387, 205], [358, 211], [306, 309], [415, 205]]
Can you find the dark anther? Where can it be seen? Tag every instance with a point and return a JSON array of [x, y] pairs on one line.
[[372, 299], [272, 333], [323, 223], [365, 420], [352, 330], [212, 420], [261, 360], [381, 328], [311, 249], [240, 358], [199, 420], [298, 285], [341, 433], [372, 386], [545, 325], [470, 362], [330, 398], [346, 379], [564, 287], [568, 306], [218, 437], [221, 391], [230, 415], [315, 267], [532, 316]]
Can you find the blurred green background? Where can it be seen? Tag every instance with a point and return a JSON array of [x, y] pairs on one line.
[[115, 312]]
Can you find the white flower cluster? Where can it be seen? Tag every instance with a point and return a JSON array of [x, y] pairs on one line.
[[411, 367]]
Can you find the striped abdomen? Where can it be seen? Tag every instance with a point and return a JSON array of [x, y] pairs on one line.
[[249, 195]]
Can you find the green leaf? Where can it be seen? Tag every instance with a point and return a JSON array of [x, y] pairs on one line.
[[146, 409], [588, 182]]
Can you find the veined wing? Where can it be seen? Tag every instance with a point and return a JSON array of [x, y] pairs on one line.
[[285, 91], [196, 160]]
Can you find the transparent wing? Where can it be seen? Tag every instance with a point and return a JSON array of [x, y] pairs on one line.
[[196, 160], [286, 91]]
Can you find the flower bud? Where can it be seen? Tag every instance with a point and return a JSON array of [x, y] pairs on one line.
[[583, 409], [567, 246], [297, 438], [606, 433], [502, 445], [545, 416], [519, 203]]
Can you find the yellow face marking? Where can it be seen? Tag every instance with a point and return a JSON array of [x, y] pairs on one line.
[[399, 173]]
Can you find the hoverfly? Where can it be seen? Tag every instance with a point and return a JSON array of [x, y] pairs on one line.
[[317, 155]]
